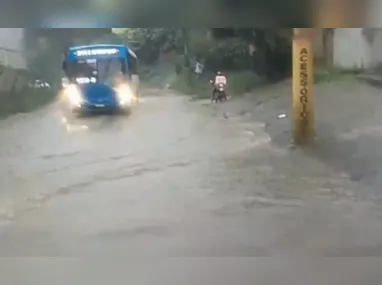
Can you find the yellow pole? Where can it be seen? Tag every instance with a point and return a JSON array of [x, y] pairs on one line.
[[303, 104], [341, 13]]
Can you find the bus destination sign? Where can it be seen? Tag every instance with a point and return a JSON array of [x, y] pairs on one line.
[[98, 51]]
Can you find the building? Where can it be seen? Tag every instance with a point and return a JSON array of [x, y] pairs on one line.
[[12, 48], [352, 48]]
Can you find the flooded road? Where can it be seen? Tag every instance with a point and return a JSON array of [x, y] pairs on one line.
[[178, 179]]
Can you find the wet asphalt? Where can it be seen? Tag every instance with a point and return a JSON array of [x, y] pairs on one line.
[[215, 187]]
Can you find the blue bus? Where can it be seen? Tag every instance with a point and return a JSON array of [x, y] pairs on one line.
[[101, 78]]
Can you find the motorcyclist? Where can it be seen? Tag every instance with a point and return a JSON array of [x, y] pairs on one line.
[[219, 79]]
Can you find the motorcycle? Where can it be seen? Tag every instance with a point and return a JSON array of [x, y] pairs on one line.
[[219, 94]]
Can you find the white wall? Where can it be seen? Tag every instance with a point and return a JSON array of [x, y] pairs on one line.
[[351, 49], [11, 47], [11, 55], [374, 13], [376, 48]]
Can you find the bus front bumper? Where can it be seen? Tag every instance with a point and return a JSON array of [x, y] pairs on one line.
[[87, 108]]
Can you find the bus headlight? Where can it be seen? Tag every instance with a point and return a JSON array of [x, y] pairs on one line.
[[125, 95], [74, 95]]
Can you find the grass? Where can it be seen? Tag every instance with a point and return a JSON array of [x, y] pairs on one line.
[[25, 99], [244, 81], [238, 83], [187, 83], [322, 75]]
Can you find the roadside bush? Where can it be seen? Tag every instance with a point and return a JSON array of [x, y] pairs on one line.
[[326, 75], [250, 57], [238, 83], [187, 83], [27, 100], [243, 81], [15, 94]]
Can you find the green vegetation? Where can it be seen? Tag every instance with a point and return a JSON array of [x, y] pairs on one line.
[[323, 75], [244, 81], [44, 56], [18, 97], [24, 101], [15, 94], [240, 82], [45, 60], [249, 57]]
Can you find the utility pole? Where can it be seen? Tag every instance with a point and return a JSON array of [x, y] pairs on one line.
[[303, 104], [185, 36], [186, 54], [341, 13], [331, 14]]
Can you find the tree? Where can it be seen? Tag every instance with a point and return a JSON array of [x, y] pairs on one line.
[[149, 43], [45, 48], [44, 60], [328, 46], [267, 50]]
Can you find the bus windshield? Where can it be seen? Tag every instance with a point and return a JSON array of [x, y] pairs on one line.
[[96, 70]]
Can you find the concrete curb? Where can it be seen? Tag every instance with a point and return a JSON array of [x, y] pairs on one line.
[[372, 79]]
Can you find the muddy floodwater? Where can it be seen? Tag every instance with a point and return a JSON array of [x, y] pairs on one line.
[[180, 178]]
